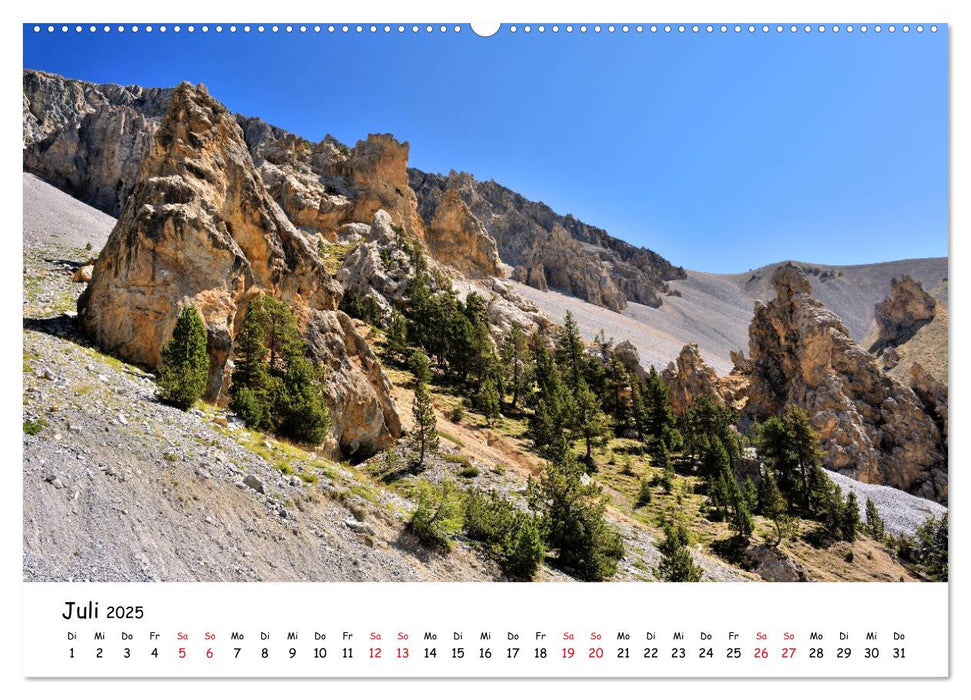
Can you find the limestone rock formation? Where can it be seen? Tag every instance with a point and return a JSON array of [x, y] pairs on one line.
[[870, 425], [628, 355], [200, 228], [933, 395], [689, 377], [549, 250], [89, 140], [378, 170], [902, 313], [378, 270], [455, 237], [297, 175]]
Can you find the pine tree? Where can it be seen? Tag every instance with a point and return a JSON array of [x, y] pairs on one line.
[[803, 447], [659, 417], [184, 370], [772, 504], [304, 416], [851, 518], [590, 422], [931, 547], [615, 396], [425, 434], [676, 562], [487, 401], [418, 311], [574, 522], [874, 523], [570, 352], [275, 386], [420, 367], [553, 414], [397, 336], [514, 354], [250, 391]]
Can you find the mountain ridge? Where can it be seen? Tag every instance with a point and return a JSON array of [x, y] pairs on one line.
[[94, 146]]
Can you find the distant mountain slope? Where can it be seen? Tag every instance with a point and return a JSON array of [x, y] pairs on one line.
[[551, 251], [715, 310]]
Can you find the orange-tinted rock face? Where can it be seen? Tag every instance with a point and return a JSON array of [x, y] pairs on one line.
[[200, 228], [456, 238], [377, 168], [869, 424]]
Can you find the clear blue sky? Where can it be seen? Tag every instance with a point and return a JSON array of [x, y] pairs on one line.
[[721, 152]]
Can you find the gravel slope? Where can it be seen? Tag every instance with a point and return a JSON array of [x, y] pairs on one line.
[[901, 512], [54, 219]]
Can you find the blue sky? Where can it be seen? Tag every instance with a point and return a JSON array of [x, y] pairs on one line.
[[722, 152]]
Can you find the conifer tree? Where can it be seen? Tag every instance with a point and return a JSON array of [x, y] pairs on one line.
[[676, 562], [874, 523], [772, 504], [804, 449], [487, 400], [659, 417], [590, 422], [574, 522], [570, 352], [397, 336], [425, 433], [304, 416], [851, 518], [275, 386], [184, 370], [515, 360]]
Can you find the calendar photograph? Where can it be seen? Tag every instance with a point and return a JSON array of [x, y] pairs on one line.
[[553, 303]]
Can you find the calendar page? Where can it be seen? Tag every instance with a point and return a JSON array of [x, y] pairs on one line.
[[448, 350]]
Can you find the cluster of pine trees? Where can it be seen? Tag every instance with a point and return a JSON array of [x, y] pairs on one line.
[[276, 386]]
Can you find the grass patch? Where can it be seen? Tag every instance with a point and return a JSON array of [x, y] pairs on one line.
[[33, 427], [451, 438], [334, 254]]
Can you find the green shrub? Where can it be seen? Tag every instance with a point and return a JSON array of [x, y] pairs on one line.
[[184, 370], [32, 427], [437, 516], [573, 521], [457, 414], [513, 537], [469, 472], [676, 562], [643, 494]]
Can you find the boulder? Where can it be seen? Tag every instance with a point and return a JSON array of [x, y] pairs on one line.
[[772, 564]]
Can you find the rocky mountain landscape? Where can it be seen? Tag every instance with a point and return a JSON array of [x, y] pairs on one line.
[[140, 202]]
